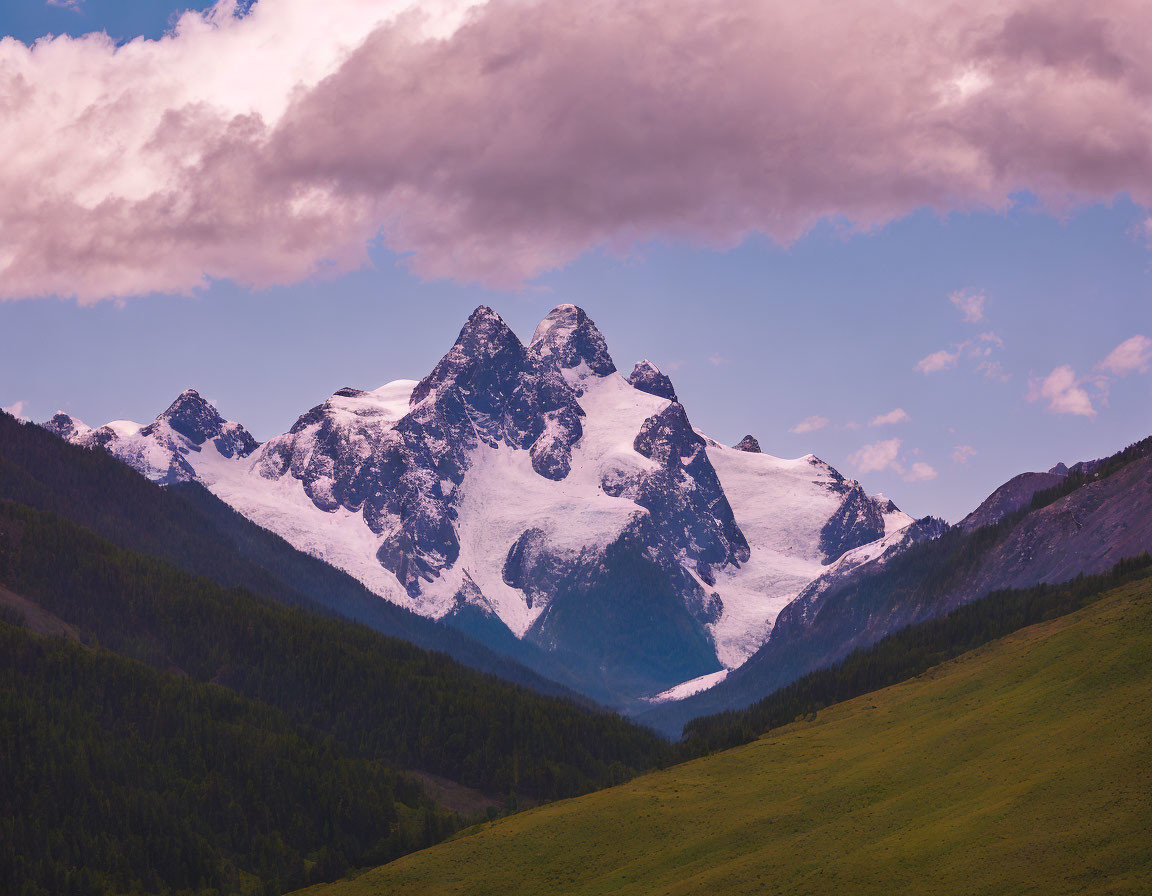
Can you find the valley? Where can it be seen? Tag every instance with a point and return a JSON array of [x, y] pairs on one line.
[[1019, 767]]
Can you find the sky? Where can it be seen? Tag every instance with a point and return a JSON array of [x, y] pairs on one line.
[[915, 242]]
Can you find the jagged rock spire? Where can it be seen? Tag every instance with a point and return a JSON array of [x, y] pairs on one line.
[[570, 337], [647, 377]]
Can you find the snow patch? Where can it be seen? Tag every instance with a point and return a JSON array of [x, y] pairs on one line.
[[690, 687]]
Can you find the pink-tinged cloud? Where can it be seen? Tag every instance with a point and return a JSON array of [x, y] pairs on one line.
[[961, 454], [920, 472], [809, 424], [1063, 393], [896, 415], [877, 456], [970, 304], [937, 361], [492, 141], [1133, 355]]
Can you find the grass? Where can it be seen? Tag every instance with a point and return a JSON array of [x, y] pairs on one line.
[[1022, 767]]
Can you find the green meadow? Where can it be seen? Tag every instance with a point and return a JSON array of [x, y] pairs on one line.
[[1022, 767]]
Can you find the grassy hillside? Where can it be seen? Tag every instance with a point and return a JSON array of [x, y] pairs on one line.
[[1021, 767]]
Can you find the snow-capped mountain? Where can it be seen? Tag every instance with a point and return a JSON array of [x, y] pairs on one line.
[[172, 447], [532, 489]]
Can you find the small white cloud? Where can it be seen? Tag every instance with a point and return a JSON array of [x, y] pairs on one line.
[[718, 360], [920, 472], [971, 304], [851, 424], [1063, 392], [993, 370], [937, 361], [16, 409], [810, 424], [877, 456], [961, 454], [1133, 355], [73, 5], [896, 415]]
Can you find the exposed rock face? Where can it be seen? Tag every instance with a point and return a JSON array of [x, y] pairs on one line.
[[511, 395], [688, 505], [67, 427], [749, 444], [535, 568], [647, 377], [1017, 492], [569, 338], [197, 421], [161, 450], [858, 520]]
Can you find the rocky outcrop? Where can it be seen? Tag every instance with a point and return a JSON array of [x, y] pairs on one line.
[[857, 521], [647, 377]]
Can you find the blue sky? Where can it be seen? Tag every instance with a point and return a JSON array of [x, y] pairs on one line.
[[756, 338]]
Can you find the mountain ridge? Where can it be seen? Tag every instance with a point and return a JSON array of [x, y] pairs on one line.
[[407, 488]]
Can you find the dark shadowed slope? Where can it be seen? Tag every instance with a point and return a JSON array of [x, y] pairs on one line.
[[188, 526]]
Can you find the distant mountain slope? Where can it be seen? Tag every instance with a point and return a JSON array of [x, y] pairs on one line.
[[1014, 494], [492, 492], [1085, 524], [189, 527], [908, 653], [386, 698], [1017, 768]]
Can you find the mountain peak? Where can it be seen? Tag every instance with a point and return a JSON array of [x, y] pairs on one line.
[[66, 426], [192, 416], [749, 444], [483, 338], [197, 420], [647, 377], [570, 337]]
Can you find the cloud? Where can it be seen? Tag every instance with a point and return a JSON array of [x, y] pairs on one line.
[[993, 370], [718, 360], [971, 304], [74, 5], [920, 472], [937, 361], [986, 343], [1133, 355], [961, 454], [809, 424], [877, 456], [1063, 392], [897, 415], [493, 141], [16, 409]]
